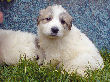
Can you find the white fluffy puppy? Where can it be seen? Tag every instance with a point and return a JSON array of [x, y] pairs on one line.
[[65, 44], [16, 44]]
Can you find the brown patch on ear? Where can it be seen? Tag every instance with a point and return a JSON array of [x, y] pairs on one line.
[[38, 20], [40, 16], [67, 18], [44, 13]]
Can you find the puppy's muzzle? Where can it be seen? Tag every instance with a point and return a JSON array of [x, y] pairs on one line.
[[54, 31]]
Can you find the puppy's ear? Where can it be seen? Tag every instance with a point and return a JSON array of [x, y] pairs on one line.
[[69, 21], [67, 18], [39, 18], [44, 13]]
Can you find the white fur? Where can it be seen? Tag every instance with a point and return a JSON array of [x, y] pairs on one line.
[[14, 44], [71, 48]]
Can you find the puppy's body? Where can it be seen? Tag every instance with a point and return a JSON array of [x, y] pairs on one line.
[[66, 44], [16, 44]]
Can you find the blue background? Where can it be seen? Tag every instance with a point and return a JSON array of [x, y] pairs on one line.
[[92, 17]]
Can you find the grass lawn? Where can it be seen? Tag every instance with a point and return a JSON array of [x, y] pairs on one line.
[[29, 71]]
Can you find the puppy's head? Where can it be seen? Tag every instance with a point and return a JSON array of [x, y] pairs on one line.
[[54, 21]]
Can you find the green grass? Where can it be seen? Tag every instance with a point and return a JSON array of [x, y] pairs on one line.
[[29, 71]]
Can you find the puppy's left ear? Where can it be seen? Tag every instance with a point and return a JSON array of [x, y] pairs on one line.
[[70, 19]]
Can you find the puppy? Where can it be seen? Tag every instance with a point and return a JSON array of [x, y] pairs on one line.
[[64, 44], [16, 44]]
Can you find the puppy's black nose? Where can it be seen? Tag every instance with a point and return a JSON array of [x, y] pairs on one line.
[[54, 29]]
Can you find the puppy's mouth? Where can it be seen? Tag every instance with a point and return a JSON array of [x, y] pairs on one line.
[[53, 35]]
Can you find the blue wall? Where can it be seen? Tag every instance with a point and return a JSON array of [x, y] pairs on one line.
[[91, 16]]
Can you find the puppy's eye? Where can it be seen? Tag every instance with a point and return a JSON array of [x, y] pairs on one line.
[[62, 21], [48, 19]]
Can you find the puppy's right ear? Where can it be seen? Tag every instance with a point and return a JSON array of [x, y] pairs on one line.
[[39, 18], [43, 13]]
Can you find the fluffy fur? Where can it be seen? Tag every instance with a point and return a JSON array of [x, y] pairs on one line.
[[67, 45], [16, 44]]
